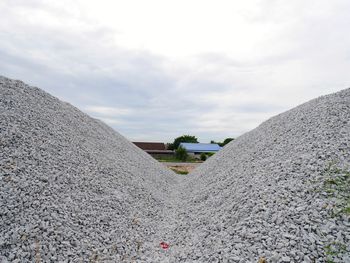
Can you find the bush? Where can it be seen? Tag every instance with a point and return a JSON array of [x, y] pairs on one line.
[[181, 154], [210, 154], [203, 157]]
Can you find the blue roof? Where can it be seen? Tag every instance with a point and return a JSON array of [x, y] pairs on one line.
[[200, 147]]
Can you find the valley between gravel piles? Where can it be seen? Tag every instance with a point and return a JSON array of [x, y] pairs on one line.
[[74, 190]]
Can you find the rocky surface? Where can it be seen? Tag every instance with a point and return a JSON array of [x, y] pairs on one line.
[[266, 194], [71, 188], [74, 190]]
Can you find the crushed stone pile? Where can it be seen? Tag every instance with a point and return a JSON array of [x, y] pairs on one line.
[[74, 190], [71, 188], [280, 192]]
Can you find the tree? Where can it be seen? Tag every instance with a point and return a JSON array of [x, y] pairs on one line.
[[181, 154], [183, 138], [222, 144], [226, 141], [203, 157]]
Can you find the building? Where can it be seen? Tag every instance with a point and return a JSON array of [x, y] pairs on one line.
[[198, 148], [156, 149]]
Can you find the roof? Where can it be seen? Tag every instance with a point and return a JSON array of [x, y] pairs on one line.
[[200, 147], [159, 151], [159, 146]]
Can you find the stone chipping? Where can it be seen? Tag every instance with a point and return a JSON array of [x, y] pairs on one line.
[[265, 194], [74, 190], [71, 188]]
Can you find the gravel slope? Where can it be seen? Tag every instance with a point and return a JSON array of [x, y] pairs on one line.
[[74, 190], [265, 194]]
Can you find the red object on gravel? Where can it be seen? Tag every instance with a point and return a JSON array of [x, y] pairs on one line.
[[164, 245]]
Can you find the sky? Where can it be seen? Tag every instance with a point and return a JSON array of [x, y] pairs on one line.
[[157, 69]]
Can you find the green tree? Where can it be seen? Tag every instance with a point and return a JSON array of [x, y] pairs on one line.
[[181, 154], [226, 141], [203, 157], [183, 138], [170, 146]]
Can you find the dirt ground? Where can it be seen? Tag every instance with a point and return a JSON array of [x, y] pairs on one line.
[[182, 167]]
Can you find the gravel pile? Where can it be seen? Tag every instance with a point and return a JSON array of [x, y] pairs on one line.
[[74, 190], [280, 192], [71, 188]]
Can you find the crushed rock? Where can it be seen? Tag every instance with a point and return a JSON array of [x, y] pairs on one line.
[[74, 190]]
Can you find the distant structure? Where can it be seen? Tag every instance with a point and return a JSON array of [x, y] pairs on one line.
[[156, 149], [198, 148]]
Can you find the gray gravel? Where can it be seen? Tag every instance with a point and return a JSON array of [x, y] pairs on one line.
[[71, 188], [265, 194], [74, 190]]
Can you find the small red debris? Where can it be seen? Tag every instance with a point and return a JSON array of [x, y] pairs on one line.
[[164, 245]]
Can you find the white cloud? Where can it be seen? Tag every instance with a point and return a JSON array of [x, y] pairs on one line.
[[110, 121], [157, 69], [107, 111]]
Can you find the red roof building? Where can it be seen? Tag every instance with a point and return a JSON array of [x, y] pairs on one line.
[[153, 147]]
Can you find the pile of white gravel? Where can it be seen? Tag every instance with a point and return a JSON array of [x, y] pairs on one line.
[[280, 192], [74, 190], [71, 188]]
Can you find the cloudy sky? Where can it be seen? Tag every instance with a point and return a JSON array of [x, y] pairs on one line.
[[157, 69]]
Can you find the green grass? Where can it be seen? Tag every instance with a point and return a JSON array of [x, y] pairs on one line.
[[337, 184], [346, 209], [179, 172], [334, 249]]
